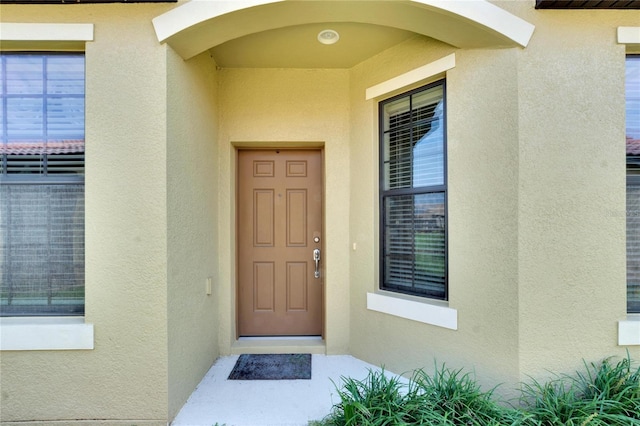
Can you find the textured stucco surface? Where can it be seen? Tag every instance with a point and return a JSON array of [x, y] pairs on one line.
[[192, 179], [572, 274], [272, 107], [125, 376], [536, 204], [536, 209], [482, 220]]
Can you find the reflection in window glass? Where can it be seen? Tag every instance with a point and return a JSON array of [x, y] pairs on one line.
[[413, 193], [632, 89], [41, 184]]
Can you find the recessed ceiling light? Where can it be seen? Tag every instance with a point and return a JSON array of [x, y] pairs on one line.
[[328, 36]]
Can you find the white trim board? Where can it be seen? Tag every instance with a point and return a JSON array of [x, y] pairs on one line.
[[488, 15], [10, 31], [427, 313], [629, 35], [46, 333], [629, 332], [411, 77]]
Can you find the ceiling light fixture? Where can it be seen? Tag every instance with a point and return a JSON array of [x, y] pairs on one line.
[[328, 36]]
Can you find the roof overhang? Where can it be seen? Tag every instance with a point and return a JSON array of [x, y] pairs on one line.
[[199, 25]]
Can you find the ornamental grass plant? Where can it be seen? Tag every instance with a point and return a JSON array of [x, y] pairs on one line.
[[605, 393]]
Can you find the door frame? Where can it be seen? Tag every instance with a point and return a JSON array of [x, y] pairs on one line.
[[257, 146]]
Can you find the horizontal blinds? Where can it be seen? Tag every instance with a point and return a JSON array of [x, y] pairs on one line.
[[632, 88], [50, 165], [42, 114], [415, 243], [414, 141], [633, 246], [42, 249], [413, 196]]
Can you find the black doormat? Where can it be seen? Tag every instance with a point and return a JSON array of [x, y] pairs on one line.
[[272, 367]]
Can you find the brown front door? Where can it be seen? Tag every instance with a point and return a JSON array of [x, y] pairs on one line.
[[279, 227]]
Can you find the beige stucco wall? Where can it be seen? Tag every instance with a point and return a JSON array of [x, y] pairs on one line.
[[536, 192], [572, 253], [192, 205], [275, 107], [482, 202], [125, 376], [536, 209]]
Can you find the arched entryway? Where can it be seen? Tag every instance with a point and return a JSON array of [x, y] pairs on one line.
[[200, 25], [277, 86]]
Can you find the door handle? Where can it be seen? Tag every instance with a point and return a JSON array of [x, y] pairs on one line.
[[316, 258]]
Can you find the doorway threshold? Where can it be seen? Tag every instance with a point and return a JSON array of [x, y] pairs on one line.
[[279, 345]]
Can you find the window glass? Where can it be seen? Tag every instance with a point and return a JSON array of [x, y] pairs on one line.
[[632, 89], [41, 184], [632, 110], [414, 140], [413, 194]]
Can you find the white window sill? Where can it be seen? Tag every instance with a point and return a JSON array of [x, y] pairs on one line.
[[45, 333], [629, 331], [427, 311]]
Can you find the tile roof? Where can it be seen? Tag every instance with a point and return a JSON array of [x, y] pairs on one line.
[[77, 146], [633, 146], [39, 147]]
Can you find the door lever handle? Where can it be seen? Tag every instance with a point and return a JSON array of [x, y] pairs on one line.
[[316, 258]]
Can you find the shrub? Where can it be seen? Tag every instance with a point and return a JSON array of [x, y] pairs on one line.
[[456, 398], [446, 398], [376, 400], [604, 394]]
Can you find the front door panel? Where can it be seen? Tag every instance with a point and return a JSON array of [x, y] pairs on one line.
[[279, 222]]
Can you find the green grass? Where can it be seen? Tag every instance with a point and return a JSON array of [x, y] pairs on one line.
[[603, 394], [429, 256], [44, 295]]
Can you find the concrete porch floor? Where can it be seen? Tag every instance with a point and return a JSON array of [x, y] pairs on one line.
[[268, 402]]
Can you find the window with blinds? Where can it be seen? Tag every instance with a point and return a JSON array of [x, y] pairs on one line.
[[413, 193], [632, 88], [42, 184]]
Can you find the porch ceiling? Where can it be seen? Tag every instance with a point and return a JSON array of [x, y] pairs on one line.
[[282, 33], [297, 46]]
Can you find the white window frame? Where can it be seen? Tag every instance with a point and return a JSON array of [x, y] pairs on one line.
[[45, 333], [629, 328]]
